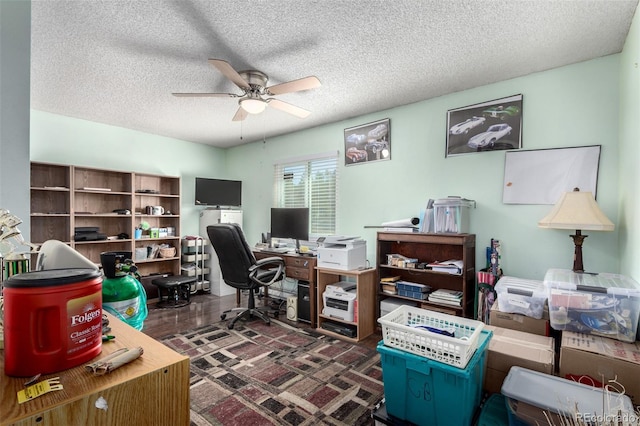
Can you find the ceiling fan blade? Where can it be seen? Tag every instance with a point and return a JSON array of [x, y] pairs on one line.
[[205, 95], [227, 70], [241, 114], [291, 109], [305, 83]]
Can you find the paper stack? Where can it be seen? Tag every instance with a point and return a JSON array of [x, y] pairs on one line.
[[449, 266], [447, 297]]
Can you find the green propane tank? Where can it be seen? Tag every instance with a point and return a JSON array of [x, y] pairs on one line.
[[122, 294]]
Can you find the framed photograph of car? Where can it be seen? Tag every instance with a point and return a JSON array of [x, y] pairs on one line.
[[487, 126], [367, 142]]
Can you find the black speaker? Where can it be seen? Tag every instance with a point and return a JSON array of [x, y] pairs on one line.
[[304, 302]]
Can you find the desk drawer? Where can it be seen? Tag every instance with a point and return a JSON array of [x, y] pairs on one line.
[[297, 273], [297, 262]]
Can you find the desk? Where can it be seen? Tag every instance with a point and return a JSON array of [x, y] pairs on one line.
[[301, 268], [152, 390]]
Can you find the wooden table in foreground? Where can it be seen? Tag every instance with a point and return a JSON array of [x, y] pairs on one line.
[[152, 390]]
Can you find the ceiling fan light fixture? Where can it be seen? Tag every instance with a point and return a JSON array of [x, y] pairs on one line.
[[253, 106]]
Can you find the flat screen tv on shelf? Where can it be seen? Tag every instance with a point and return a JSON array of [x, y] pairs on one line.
[[218, 192]]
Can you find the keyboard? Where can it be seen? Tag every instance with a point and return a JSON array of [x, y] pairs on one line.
[[278, 250]]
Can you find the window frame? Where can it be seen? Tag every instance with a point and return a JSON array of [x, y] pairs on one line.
[[315, 194]]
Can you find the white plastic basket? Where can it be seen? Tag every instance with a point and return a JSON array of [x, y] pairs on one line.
[[399, 331]]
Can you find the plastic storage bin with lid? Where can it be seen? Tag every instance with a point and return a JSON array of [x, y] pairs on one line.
[[604, 304], [530, 394], [427, 392], [451, 215], [521, 296]]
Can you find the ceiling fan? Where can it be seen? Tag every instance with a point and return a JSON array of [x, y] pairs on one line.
[[255, 93]]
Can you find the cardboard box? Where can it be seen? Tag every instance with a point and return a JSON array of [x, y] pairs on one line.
[[519, 322], [510, 347], [601, 359]]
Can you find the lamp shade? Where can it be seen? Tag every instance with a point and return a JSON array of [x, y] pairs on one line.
[[577, 210], [253, 106]]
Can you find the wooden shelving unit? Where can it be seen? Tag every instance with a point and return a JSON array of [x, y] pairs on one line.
[[64, 197], [365, 295], [429, 248]]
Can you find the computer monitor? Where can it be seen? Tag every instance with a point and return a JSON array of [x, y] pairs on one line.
[[290, 222]]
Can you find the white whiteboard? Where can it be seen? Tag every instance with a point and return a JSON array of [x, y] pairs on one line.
[[542, 176]]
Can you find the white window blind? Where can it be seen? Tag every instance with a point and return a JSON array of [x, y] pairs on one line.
[[309, 183]]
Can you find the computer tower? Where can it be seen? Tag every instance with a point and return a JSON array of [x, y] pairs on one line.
[[304, 302], [292, 308]]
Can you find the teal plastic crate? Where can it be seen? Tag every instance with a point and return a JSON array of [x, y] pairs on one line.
[[494, 412], [427, 392]]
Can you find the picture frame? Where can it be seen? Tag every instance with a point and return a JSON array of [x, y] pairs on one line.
[[367, 143], [488, 126]]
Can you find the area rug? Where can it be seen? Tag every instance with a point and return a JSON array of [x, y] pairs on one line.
[[258, 374]]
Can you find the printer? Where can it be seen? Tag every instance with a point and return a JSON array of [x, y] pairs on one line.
[[341, 252], [340, 301]]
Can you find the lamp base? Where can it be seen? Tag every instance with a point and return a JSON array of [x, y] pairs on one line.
[[578, 239]]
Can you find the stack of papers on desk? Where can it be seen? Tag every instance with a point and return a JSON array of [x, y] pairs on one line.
[[448, 297], [450, 266]]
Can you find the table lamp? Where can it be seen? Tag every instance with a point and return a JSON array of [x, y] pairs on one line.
[[577, 210]]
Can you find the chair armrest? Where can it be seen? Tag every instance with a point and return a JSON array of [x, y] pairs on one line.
[[267, 260], [277, 267]]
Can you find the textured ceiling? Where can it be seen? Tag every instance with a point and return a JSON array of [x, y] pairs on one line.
[[117, 62]]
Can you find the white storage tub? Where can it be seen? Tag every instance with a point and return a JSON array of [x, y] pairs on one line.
[[389, 304], [531, 393], [603, 304], [521, 296], [451, 215]]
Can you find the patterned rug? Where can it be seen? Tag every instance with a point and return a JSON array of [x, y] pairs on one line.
[[278, 375]]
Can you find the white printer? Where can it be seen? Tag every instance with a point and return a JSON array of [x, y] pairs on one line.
[[340, 252], [339, 300]]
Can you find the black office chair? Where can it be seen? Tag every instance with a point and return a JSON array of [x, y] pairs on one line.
[[241, 270]]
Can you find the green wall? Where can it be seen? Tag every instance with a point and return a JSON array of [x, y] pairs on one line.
[[64, 140], [575, 105], [629, 172]]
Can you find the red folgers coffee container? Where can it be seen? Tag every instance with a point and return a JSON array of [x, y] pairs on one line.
[[52, 320]]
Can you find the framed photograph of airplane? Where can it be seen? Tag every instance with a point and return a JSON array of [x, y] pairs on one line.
[[488, 126]]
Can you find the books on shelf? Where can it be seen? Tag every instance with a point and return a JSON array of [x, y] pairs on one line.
[[388, 284], [452, 266], [448, 297], [388, 288], [413, 290]]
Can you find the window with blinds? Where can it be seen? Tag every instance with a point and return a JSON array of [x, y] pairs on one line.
[[312, 183]]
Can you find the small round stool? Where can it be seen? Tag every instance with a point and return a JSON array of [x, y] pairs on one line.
[[178, 290]]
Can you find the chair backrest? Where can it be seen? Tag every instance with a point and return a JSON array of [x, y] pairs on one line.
[[234, 254]]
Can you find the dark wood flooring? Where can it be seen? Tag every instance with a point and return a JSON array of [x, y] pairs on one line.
[[206, 309]]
